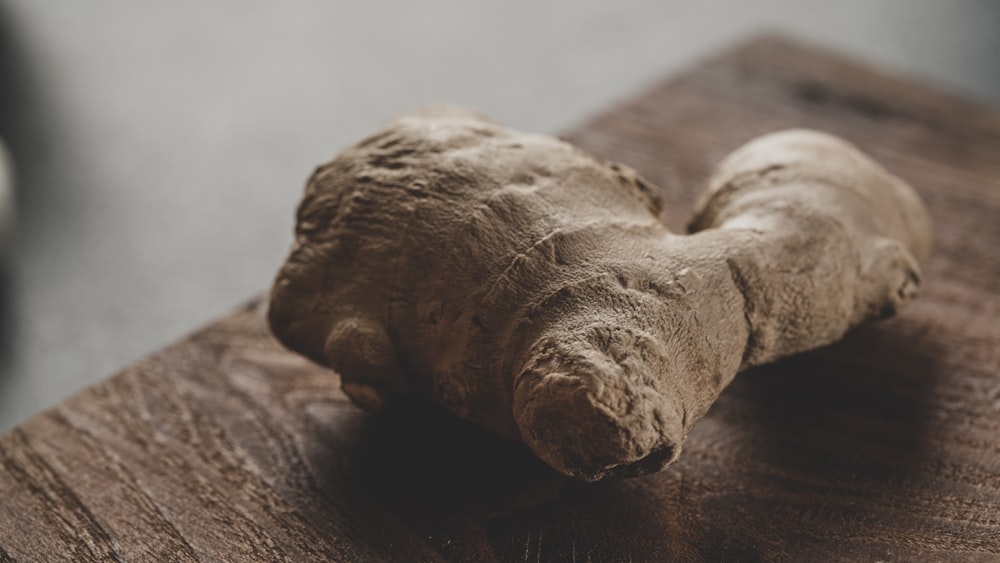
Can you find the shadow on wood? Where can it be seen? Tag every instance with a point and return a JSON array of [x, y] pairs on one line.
[[419, 455], [837, 412]]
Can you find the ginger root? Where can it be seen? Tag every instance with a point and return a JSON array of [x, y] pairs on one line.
[[531, 288]]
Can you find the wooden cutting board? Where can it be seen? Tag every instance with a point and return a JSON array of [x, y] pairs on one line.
[[885, 446]]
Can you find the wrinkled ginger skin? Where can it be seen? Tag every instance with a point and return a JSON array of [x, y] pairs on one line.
[[531, 288]]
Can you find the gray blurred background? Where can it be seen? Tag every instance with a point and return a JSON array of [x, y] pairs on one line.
[[161, 146]]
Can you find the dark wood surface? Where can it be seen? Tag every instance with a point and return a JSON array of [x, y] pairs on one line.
[[885, 446]]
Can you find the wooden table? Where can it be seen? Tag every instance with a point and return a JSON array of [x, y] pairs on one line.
[[883, 446]]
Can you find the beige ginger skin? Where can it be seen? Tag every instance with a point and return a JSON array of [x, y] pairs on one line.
[[531, 288]]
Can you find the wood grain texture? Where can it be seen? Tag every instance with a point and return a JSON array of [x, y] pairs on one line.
[[884, 446]]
